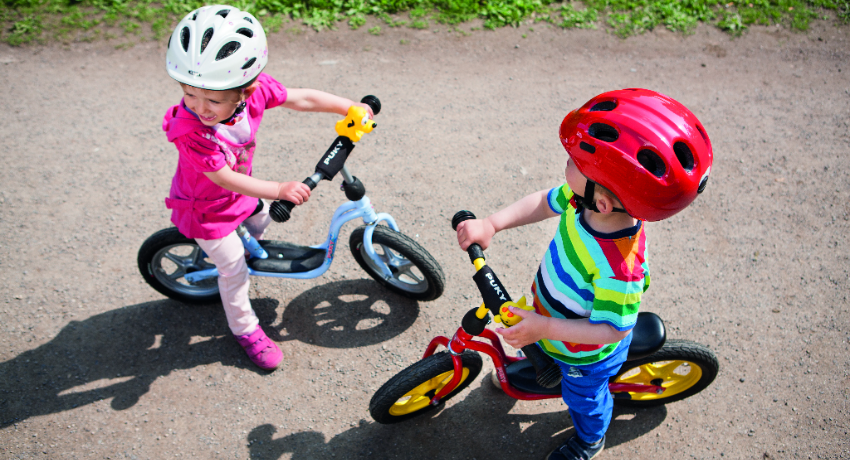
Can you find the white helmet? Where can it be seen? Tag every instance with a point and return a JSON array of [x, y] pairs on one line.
[[217, 47]]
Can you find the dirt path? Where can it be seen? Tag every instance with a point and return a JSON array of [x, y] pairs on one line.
[[95, 364]]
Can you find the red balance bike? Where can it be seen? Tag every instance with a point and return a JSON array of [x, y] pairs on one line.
[[657, 371]]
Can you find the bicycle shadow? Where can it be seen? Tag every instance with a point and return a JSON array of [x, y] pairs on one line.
[[347, 314], [120, 353], [480, 426]]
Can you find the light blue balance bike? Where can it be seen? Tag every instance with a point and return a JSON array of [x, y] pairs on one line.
[[177, 267]]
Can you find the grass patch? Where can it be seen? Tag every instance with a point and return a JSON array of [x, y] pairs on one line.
[[42, 21]]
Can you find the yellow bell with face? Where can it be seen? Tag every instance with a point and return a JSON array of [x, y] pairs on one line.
[[355, 124], [509, 319]]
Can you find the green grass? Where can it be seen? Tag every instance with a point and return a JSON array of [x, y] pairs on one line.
[[42, 21]]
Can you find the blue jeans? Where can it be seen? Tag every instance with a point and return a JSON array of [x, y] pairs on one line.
[[590, 403]]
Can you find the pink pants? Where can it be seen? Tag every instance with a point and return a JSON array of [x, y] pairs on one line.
[[228, 254]]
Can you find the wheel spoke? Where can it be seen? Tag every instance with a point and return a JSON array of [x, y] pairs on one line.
[[179, 261], [667, 370], [391, 257], [177, 274], [410, 274]]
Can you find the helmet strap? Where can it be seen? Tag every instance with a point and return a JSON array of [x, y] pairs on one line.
[[588, 203], [236, 113]]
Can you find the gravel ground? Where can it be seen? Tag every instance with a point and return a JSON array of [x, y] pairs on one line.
[[96, 364]]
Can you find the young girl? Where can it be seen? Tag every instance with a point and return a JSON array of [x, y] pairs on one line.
[[217, 54]]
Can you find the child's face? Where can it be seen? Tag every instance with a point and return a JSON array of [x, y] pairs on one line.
[[575, 179], [211, 106]]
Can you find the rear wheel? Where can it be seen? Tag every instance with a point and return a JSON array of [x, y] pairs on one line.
[[409, 393], [414, 272], [682, 367], [166, 257]]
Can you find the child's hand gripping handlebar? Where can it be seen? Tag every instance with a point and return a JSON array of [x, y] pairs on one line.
[[496, 300], [350, 130]]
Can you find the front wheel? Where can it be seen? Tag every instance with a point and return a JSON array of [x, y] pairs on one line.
[[682, 367], [166, 257], [414, 272], [409, 393]]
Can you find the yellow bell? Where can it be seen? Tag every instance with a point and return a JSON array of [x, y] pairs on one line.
[[355, 124], [509, 319]]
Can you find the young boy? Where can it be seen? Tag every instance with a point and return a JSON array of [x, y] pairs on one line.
[[636, 155]]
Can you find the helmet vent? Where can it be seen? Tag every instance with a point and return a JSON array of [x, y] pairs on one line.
[[683, 153], [223, 13], [206, 39], [249, 63], [195, 16], [184, 38], [248, 19], [587, 147], [246, 32], [651, 162], [603, 132], [604, 106], [226, 50]]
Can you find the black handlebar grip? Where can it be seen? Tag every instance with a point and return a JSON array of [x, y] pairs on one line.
[[373, 102], [548, 373], [474, 250], [461, 216], [280, 211]]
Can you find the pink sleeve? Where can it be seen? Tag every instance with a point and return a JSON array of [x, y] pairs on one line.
[[272, 92], [202, 154]]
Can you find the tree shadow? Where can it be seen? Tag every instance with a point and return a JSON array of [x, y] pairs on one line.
[[480, 426], [120, 353], [347, 314]]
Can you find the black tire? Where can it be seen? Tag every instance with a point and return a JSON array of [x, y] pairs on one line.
[[407, 395], [684, 368], [166, 256], [415, 273]]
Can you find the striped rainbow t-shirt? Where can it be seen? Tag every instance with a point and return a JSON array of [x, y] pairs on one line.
[[587, 274]]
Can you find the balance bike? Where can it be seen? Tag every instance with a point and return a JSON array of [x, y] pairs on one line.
[[177, 267], [657, 371]]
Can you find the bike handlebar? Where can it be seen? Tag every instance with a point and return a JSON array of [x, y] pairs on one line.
[[331, 162], [495, 296]]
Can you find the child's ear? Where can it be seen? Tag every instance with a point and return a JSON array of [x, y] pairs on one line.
[[247, 92], [605, 204]]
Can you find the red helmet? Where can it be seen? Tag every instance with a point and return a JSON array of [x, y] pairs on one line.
[[648, 149]]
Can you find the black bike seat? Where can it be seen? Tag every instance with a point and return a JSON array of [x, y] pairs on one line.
[[287, 258], [648, 336]]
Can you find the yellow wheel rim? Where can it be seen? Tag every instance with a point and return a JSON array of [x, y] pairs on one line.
[[419, 397], [674, 376]]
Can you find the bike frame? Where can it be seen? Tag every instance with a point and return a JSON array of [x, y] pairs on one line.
[[346, 212], [462, 341]]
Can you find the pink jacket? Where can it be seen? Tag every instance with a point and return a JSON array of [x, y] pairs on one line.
[[199, 207]]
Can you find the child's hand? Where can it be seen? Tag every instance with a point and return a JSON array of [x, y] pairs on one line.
[[295, 192], [479, 231], [531, 329], [365, 106]]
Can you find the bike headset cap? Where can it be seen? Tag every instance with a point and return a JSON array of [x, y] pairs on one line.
[[646, 148], [217, 47]]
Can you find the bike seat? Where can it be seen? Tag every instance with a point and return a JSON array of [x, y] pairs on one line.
[[287, 258], [648, 336]]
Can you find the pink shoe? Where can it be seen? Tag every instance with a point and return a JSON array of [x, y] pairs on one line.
[[262, 351]]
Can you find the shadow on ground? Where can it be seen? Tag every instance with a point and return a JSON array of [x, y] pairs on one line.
[[480, 426], [120, 353], [347, 314]]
